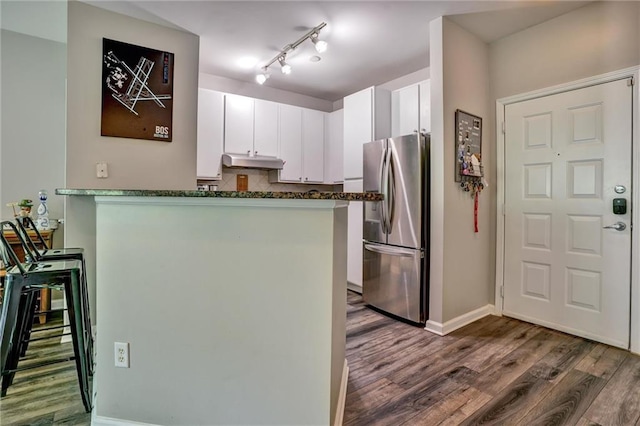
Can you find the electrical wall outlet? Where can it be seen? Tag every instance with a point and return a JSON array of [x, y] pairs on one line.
[[121, 354], [101, 170]]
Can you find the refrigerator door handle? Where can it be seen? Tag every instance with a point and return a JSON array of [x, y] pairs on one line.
[[383, 189], [391, 181], [391, 251]]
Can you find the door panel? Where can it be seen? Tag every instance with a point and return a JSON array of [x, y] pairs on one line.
[[374, 156], [391, 280], [565, 153], [406, 192]]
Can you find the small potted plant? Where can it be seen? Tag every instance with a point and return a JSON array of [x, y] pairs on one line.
[[25, 210]]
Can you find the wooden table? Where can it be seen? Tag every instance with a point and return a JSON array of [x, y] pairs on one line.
[[14, 241]]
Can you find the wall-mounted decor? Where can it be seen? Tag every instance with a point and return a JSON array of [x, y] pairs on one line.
[[468, 145], [137, 92]]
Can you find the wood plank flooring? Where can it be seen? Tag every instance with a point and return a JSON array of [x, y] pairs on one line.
[[47, 395], [495, 371]]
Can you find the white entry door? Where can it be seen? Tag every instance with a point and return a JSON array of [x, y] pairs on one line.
[[566, 266]]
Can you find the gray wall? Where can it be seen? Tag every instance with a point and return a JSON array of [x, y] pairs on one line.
[[462, 277], [592, 40], [132, 163], [33, 120]]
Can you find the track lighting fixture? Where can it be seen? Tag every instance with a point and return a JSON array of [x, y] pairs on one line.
[[320, 45]]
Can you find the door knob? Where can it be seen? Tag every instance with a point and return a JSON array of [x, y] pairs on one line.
[[618, 226]]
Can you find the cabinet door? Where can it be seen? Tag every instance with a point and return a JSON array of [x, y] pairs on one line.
[[425, 106], [291, 143], [354, 237], [210, 134], [265, 138], [358, 129], [407, 116], [238, 124], [333, 161], [313, 146]]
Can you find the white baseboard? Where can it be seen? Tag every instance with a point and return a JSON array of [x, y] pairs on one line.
[[108, 421], [342, 396], [57, 304], [459, 322]]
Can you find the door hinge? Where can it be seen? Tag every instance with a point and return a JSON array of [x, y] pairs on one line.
[[502, 291], [504, 210], [504, 130], [630, 81]]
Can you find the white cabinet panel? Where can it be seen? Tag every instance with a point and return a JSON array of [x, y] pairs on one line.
[[425, 106], [367, 117], [313, 145], [265, 140], [238, 129], [333, 154], [210, 134], [291, 143], [354, 236], [406, 118]]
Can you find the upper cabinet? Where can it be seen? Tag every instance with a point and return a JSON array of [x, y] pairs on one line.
[[301, 145], [210, 134], [367, 117], [411, 109], [251, 126], [333, 147]]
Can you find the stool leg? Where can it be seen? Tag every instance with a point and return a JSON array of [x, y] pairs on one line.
[[25, 310], [86, 312], [74, 305], [8, 324], [27, 323]]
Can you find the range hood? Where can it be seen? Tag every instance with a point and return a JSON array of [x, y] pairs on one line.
[[252, 161]]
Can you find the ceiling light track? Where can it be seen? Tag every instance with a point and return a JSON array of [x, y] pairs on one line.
[[313, 34]]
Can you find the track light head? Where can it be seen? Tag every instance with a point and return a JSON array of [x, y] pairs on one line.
[[263, 75], [321, 45], [286, 68]]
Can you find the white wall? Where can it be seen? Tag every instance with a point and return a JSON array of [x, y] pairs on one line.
[[462, 278], [32, 143], [254, 90], [406, 80]]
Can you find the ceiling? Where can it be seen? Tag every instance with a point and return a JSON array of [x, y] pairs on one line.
[[370, 42]]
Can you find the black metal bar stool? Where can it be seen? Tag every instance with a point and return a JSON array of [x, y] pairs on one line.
[[45, 254], [22, 281]]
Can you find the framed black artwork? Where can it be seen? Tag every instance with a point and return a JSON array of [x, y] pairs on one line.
[[137, 92]]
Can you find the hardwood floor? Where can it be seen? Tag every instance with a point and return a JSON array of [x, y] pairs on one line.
[[495, 371], [46, 395]]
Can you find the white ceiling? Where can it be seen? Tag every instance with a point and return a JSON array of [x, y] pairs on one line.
[[370, 42]]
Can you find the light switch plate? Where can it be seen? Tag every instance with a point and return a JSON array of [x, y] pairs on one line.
[[101, 170]]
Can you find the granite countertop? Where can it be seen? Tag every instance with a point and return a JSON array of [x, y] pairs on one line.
[[346, 196]]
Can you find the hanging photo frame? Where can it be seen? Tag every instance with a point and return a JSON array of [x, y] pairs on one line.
[[468, 146]]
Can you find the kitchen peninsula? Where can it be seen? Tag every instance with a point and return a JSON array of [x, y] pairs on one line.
[[233, 305]]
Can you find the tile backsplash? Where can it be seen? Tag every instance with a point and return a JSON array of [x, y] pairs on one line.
[[259, 181]]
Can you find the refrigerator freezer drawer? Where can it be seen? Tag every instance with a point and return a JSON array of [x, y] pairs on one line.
[[392, 280]]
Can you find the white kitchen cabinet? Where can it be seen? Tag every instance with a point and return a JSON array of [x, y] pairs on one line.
[[265, 134], [411, 109], [291, 143], [354, 237], [238, 124], [301, 146], [425, 106], [210, 134], [367, 117], [251, 126], [333, 152], [312, 146]]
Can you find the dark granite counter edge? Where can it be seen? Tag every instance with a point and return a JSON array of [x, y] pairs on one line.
[[346, 196]]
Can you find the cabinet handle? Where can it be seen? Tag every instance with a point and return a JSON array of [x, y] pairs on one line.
[[415, 131], [255, 152], [423, 130], [300, 178], [249, 152], [306, 179]]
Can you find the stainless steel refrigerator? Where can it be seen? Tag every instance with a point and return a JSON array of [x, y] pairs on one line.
[[395, 251]]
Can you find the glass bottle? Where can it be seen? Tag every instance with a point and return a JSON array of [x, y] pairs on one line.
[[43, 211]]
